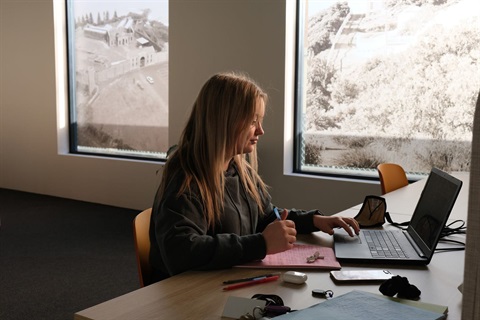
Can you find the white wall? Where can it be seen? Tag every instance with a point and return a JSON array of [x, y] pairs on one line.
[[205, 37]]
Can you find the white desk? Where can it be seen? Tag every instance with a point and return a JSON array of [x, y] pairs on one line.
[[199, 295]]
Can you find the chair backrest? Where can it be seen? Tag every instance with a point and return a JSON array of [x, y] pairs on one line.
[[141, 238], [392, 177], [471, 275]]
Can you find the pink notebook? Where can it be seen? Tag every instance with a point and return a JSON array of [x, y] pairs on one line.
[[297, 258]]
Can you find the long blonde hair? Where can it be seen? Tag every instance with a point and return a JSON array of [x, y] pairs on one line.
[[222, 113]]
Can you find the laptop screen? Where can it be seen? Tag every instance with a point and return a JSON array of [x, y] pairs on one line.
[[433, 209]]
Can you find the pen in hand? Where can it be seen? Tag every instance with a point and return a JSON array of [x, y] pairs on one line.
[[279, 217]]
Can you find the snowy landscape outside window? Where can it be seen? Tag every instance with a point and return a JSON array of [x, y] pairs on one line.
[[386, 81], [118, 77]]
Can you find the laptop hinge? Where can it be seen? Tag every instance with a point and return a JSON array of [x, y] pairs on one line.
[[414, 245]]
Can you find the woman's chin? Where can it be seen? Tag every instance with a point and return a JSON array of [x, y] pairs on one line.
[[249, 149]]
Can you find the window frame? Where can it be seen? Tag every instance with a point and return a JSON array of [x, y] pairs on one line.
[[73, 147], [357, 174]]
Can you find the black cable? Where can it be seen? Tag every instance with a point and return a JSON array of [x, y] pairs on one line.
[[448, 230]]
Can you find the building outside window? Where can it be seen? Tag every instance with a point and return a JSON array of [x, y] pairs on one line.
[[118, 78], [386, 81]]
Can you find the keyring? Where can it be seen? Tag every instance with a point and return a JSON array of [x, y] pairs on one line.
[[326, 294]]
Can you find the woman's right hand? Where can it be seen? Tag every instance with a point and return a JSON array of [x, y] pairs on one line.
[[280, 235]]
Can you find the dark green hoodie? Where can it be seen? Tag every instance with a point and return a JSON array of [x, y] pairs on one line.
[[181, 239]]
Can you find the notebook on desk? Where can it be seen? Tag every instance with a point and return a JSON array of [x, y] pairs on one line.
[[417, 243]]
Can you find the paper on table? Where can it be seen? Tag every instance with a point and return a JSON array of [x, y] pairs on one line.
[[297, 258], [419, 304], [361, 305], [238, 306]]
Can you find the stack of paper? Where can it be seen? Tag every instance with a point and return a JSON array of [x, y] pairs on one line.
[[364, 305]]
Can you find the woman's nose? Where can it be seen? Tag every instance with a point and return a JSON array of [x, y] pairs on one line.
[[259, 130]]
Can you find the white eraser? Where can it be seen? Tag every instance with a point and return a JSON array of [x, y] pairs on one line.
[[294, 277]]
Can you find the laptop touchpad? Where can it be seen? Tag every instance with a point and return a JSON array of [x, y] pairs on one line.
[[341, 236]]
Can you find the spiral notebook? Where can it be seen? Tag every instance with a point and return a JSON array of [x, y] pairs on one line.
[[297, 258]]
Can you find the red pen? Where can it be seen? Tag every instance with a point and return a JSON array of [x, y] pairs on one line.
[[249, 283]]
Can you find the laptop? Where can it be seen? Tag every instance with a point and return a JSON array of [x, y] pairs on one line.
[[417, 243]]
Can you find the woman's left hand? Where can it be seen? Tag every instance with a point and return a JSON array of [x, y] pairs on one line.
[[328, 223]]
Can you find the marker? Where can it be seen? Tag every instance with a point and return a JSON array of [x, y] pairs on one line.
[[250, 283], [262, 276], [276, 213]]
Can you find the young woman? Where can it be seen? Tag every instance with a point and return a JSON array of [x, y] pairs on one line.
[[212, 209]]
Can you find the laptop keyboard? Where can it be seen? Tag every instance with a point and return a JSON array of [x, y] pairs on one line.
[[382, 244]]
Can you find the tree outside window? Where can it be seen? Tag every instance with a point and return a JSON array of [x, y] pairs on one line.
[[387, 81]]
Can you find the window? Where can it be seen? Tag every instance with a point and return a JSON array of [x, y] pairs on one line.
[[386, 81], [118, 78]]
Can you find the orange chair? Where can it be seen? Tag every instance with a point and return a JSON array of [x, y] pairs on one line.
[[141, 238], [392, 177]]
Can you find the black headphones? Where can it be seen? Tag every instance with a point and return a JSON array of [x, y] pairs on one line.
[[400, 285], [271, 299]]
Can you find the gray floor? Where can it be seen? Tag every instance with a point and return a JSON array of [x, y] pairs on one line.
[[60, 256]]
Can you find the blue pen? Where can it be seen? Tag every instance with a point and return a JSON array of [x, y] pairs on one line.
[[276, 213]]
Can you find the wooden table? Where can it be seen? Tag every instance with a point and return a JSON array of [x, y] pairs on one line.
[[199, 295]]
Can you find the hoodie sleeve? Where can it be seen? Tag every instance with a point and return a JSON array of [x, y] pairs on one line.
[[303, 218], [184, 241]]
